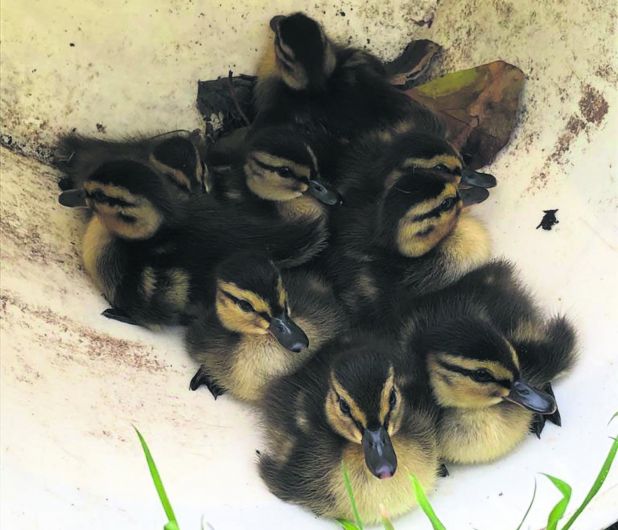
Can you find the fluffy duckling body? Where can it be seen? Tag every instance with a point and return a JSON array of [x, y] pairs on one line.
[[278, 175], [402, 231], [307, 79], [260, 324], [489, 357], [177, 156], [151, 252], [348, 405]]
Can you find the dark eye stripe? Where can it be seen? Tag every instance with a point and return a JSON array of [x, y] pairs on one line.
[[269, 167], [469, 373], [263, 314], [437, 211], [99, 196], [351, 416]]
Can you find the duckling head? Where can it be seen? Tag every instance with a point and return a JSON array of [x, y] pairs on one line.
[[281, 165], [131, 199], [472, 365], [304, 55], [418, 209], [365, 405], [179, 157], [251, 299]]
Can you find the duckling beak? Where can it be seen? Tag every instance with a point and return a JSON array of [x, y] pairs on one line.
[[73, 198], [475, 178], [324, 194], [471, 196], [380, 456], [289, 335], [530, 398]]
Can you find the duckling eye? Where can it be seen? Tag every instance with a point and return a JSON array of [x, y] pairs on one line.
[[343, 405], [482, 376], [447, 204], [245, 306], [284, 172], [98, 196], [441, 167], [392, 400]]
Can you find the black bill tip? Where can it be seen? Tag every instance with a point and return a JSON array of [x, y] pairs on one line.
[[531, 398], [324, 194], [73, 198], [471, 196], [478, 179]]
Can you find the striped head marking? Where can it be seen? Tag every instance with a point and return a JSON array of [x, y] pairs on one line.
[[418, 211], [280, 164], [470, 364], [123, 194], [251, 299]]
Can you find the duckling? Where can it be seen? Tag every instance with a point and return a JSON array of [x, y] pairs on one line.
[[246, 337], [177, 155], [306, 78], [402, 231], [152, 252], [488, 357], [278, 175], [349, 406]]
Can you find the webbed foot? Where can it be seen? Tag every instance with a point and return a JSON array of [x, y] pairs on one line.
[[118, 314], [443, 471], [200, 378]]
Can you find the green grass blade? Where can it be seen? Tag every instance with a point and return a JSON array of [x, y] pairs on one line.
[[558, 510], [386, 523], [347, 525], [529, 507], [423, 502], [596, 486], [156, 478], [612, 418], [348, 488]]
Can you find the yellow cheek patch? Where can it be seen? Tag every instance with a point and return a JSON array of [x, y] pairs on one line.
[[411, 244], [268, 185], [235, 319], [259, 304], [340, 423]]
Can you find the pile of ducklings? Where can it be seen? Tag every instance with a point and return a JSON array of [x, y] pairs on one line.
[[328, 271]]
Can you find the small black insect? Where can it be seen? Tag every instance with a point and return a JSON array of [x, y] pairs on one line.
[[549, 220]]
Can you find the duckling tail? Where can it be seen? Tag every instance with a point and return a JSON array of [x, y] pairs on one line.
[[555, 354]]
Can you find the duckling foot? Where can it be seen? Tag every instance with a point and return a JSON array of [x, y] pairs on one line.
[[202, 378], [443, 471], [537, 425], [119, 315]]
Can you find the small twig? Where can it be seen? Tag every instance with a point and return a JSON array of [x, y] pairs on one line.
[[230, 87]]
